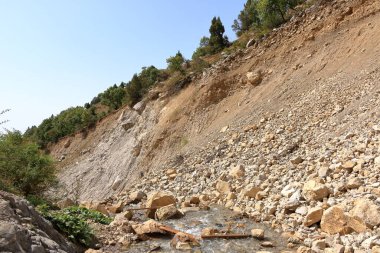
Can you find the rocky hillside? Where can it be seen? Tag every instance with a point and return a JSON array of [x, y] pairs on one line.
[[22, 229], [287, 131]]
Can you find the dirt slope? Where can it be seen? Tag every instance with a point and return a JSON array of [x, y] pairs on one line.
[[317, 68]]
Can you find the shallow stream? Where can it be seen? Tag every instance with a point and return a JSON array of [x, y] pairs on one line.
[[222, 219]]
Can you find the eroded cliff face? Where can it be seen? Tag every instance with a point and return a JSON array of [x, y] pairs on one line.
[[314, 72], [22, 229]]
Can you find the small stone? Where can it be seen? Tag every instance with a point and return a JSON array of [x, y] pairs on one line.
[[258, 233], [296, 160], [267, 244], [354, 183], [223, 187], [303, 249], [237, 171]]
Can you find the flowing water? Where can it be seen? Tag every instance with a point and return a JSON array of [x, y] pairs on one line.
[[221, 219]]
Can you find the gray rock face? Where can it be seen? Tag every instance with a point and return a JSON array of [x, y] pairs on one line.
[[22, 229]]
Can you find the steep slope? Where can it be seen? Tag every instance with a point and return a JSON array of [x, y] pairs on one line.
[[318, 62]]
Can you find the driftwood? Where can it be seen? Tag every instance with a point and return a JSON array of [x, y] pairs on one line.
[[225, 236]]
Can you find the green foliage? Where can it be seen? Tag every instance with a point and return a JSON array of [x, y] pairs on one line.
[[23, 168], [263, 15], [175, 62], [198, 65], [73, 222], [217, 41], [134, 90], [114, 97], [213, 44], [67, 122]]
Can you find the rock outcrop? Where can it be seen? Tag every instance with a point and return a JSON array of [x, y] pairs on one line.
[[22, 229]]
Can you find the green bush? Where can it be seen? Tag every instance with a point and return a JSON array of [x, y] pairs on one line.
[[23, 168], [175, 62], [73, 222], [261, 16]]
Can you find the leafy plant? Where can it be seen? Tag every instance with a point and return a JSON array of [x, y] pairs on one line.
[[175, 62], [73, 222]]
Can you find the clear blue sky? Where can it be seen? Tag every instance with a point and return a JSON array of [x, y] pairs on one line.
[[62, 53]]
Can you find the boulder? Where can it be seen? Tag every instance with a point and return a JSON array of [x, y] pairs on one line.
[[167, 212], [148, 227], [159, 199], [116, 208], [314, 190], [368, 211], [181, 241], [313, 216], [335, 221], [136, 197], [258, 233], [255, 78]]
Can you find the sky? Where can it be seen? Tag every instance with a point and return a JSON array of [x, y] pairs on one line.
[[62, 53]]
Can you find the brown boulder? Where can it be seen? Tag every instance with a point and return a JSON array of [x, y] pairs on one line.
[[314, 190], [167, 212], [335, 221], [158, 199], [148, 227], [313, 216], [368, 211]]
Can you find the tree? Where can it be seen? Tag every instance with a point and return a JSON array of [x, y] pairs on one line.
[[23, 168], [247, 19], [263, 14], [217, 41], [175, 62], [134, 88], [113, 97]]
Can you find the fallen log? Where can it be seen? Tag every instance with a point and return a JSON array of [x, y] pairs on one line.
[[175, 231], [225, 236]]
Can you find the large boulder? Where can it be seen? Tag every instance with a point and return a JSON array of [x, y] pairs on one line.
[[255, 78], [368, 211], [314, 190], [335, 220], [157, 200]]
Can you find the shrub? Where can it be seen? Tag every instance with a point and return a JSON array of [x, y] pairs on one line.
[[175, 62], [23, 168], [73, 222]]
